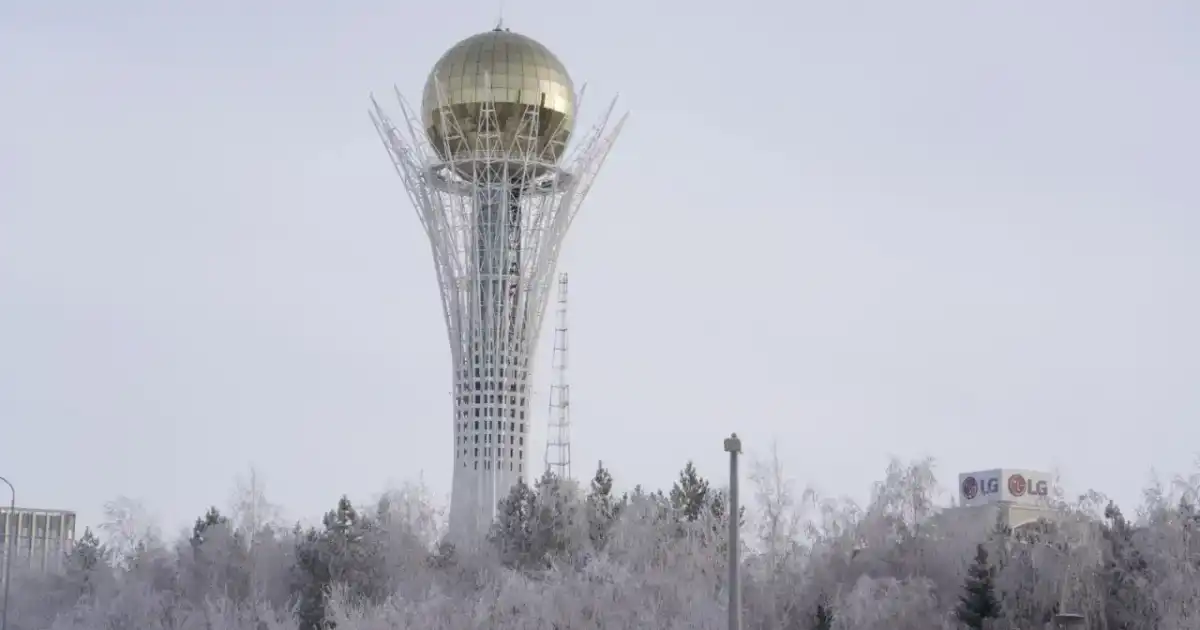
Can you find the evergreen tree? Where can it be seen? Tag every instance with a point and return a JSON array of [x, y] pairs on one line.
[[351, 548], [690, 494], [310, 579], [344, 552], [561, 526], [1127, 605], [512, 532], [823, 617], [602, 509], [88, 553], [220, 562], [978, 603], [212, 518], [84, 563]]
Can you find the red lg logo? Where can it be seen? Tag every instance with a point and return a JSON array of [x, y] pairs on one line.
[[1017, 485]]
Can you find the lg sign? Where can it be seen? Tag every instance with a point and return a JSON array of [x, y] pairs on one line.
[[972, 487], [1019, 486]]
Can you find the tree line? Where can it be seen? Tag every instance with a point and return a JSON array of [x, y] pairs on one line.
[[563, 556]]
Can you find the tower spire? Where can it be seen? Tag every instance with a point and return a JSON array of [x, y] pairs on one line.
[[558, 434]]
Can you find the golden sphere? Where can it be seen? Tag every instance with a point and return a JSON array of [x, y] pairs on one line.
[[522, 74]]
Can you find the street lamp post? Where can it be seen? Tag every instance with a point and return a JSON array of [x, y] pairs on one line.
[[1064, 620], [733, 446], [8, 549]]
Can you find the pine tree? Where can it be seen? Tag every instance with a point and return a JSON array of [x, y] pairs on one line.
[[602, 509], [350, 541], [88, 553], [1127, 604], [690, 494], [344, 552], [83, 563], [978, 603], [823, 617], [212, 518], [310, 579], [512, 532], [554, 521]]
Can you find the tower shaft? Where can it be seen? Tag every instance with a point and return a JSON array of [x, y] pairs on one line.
[[558, 433]]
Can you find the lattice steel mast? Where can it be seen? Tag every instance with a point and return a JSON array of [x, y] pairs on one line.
[[558, 432], [481, 165]]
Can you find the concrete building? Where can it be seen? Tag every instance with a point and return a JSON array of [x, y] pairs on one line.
[[38, 539]]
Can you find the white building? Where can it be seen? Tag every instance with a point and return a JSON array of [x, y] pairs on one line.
[[1013, 496], [38, 539]]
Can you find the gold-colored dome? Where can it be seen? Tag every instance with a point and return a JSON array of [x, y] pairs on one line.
[[522, 73]]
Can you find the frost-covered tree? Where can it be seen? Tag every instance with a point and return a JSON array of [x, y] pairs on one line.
[[540, 526], [890, 604], [897, 562], [219, 560], [602, 507], [512, 533], [127, 528]]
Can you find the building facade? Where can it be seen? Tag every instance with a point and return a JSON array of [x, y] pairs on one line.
[[37, 539], [1015, 497]]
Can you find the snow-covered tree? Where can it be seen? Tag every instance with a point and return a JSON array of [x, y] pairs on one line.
[[897, 562], [602, 507]]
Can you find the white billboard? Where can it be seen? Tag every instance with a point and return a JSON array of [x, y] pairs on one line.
[[1004, 485]]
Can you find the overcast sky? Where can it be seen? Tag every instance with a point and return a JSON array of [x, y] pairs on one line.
[[966, 230]]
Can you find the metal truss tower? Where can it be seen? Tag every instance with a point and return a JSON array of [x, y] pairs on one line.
[[487, 165], [558, 431]]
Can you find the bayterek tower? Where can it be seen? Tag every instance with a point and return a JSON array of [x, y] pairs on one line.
[[496, 172]]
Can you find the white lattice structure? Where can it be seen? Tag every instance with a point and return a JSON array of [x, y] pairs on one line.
[[482, 169], [558, 424]]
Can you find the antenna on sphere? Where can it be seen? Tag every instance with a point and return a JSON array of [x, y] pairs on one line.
[[558, 434], [500, 17]]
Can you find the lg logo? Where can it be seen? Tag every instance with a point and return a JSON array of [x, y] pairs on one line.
[[972, 487], [1018, 486]]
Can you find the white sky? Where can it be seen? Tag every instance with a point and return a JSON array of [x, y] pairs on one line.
[[965, 230]]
